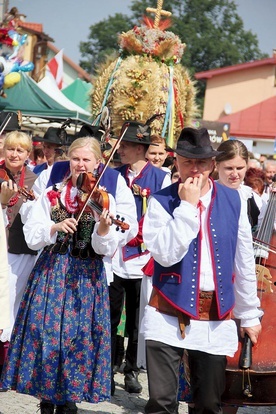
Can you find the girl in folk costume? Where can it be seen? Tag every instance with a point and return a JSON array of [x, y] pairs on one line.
[[16, 176], [60, 347], [231, 167]]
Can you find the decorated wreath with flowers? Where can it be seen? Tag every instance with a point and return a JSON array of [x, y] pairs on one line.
[[163, 46], [146, 79]]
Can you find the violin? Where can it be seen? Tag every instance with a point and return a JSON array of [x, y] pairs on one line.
[[4, 176], [98, 199]]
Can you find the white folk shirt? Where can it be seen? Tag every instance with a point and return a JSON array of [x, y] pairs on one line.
[[132, 269], [168, 238]]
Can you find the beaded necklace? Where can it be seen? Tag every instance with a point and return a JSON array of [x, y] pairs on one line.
[[71, 205], [18, 178]]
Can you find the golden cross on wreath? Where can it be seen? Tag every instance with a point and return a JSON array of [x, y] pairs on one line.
[[158, 13]]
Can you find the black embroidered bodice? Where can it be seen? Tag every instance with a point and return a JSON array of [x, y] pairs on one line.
[[79, 244]]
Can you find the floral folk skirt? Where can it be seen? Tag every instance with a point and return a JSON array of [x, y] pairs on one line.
[[60, 346]]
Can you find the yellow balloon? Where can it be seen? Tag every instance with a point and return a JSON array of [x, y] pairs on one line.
[[11, 80]]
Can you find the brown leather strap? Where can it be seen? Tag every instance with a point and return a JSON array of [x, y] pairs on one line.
[[162, 305], [207, 309]]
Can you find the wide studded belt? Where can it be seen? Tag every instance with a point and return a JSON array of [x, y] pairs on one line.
[[207, 309]]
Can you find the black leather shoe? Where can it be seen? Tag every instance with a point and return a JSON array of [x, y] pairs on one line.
[[132, 385], [46, 407], [67, 408], [112, 386]]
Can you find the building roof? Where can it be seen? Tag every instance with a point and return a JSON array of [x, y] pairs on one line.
[[257, 121], [35, 28], [81, 72], [208, 74]]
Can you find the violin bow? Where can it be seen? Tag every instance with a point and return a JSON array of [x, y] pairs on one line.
[[5, 122], [103, 170]]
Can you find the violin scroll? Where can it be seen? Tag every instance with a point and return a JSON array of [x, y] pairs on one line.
[[121, 224]]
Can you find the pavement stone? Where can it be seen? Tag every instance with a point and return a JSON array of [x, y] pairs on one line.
[[122, 402]]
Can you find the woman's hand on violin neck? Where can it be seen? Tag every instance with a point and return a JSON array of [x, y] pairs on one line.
[[105, 223], [68, 225], [8, 190]]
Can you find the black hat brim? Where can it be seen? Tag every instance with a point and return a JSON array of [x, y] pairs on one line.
[[48, 141], [195, 153]]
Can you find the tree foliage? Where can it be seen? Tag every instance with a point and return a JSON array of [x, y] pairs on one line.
[[212, 30], [103, 40]]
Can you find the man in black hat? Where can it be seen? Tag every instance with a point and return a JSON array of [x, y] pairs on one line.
[[51, 144], [200, 238], [143, 179]]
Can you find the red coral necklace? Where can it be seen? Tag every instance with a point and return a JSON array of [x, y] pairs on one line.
[[71, 205], [20, 174]]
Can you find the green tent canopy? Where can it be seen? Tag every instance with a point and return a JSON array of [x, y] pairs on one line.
[[29, 98], [78, 92]]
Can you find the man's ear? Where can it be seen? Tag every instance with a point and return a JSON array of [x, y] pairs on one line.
[[175, 164]]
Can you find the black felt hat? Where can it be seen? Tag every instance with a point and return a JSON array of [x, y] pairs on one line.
[[94, 131], [54, 136], [91, 131], [13, 119], [136, 132], [194, 143]]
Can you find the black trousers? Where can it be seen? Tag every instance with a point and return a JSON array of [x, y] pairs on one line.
[[207, 375], [130, 290]]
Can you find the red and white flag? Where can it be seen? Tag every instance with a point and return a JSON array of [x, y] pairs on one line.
[[55, 66]]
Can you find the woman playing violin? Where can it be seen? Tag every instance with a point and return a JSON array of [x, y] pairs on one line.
[[15, 176], [60, 348]]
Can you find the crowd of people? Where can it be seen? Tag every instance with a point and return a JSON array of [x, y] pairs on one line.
[[83, 242]]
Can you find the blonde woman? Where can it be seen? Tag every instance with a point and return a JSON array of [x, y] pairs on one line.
[[17, 147], [60, 347]]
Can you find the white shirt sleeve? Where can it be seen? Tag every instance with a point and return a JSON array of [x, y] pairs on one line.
[[245, 283], [37, 227], [106, 245], [40, 183], [38, 187], [167, 181], [168, 238], [126, 209], [5, 217]]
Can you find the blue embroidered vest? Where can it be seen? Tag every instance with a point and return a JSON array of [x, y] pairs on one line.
[[179, 283], [40, 167], [151, 178]]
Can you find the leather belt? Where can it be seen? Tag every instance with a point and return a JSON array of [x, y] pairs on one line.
[[207, 309]]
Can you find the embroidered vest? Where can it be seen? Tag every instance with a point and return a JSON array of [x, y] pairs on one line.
[[39, 168], [151, 178], [179, 283], [79, 244], [15, 235]]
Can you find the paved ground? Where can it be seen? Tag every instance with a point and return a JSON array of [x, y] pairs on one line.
[[121, 403]]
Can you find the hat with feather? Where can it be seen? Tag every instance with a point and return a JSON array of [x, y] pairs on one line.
[[138, 133]]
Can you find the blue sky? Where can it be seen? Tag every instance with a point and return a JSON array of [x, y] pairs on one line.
[[68, 21]]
